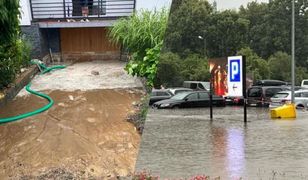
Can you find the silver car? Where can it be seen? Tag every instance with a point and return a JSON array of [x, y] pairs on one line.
[[283, 97]]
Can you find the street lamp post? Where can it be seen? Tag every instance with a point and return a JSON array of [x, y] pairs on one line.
[[293, 52]]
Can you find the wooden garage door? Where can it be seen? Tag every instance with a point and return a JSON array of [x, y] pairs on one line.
[[85, 40]]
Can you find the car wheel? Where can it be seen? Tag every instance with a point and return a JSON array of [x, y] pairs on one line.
[[300, 106]]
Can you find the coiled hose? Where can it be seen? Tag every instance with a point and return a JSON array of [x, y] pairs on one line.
[[42, 109]]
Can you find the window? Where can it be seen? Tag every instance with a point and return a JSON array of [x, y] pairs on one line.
[[305, 94], [305, 83], [282, 95], [200, 86], [204, 95], [297, 95], [193, 86], [255, 92], [270, 92], [162, 94], [192, 97]]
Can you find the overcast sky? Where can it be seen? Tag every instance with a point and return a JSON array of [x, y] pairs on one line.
[[221, 4]]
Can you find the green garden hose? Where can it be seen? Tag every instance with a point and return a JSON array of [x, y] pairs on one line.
[[40, 110]]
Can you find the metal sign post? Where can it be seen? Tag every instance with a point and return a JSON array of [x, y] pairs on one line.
[[237, 79], [211, 99], [244, 88]]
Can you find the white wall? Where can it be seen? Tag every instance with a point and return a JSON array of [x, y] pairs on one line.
[[25, 13], [152, 4]]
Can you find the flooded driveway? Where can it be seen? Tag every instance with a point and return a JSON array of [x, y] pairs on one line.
[[185, 142], [85, 134]]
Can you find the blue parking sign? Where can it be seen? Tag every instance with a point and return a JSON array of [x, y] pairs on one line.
[[235, 70]]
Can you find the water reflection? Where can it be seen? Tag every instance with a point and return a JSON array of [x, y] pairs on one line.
[[235, 153], [228, 151]]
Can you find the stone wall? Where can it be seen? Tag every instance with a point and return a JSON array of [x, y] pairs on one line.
[[41, 40], [32, 35]]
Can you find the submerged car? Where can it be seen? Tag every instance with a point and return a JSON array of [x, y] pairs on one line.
[[159, 94], [175, 91], [260, 95], [189, 100], [234, 100], [284, 97]]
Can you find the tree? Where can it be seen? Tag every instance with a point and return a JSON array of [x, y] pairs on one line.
[[270, 28], [256, 66], [169, 71], [14, 53], [280, 66], [186, 23], [195, 68], [226, 33]]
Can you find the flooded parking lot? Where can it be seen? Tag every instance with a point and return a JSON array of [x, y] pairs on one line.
[[185, 142]]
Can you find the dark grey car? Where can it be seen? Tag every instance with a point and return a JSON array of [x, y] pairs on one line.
[[158, 95], [189, 100]]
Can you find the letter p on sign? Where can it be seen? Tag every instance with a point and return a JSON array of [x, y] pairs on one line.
[[235, 71]]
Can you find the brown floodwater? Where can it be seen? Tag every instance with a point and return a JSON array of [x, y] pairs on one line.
[[84, 135]]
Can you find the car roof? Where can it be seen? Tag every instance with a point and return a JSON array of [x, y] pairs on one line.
[[160, 90], [180, 88], [268, 87], [298, 91]]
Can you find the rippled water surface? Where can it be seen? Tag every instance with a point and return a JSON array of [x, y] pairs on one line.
[[183, 143]]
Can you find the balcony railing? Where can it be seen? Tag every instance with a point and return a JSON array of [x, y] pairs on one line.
[[70, 9]]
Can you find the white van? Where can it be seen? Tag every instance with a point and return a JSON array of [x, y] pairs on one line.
[[305, 84], [197, 85]]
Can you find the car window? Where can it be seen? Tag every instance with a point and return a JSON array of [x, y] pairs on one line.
[[180, 91], [270, 92], [193, 86], [305, 83], [297, 94], [162, 94], [203, 95], [255, 92], [192, 97], [305, 94], [200, 86], [281, 95], [153, 93]]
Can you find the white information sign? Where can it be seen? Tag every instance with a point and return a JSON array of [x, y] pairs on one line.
[[235, 76]]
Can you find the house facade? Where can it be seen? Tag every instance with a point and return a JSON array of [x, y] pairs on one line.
[[73, 29]]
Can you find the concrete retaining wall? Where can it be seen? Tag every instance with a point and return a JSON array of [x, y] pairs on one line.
[[9, 94]]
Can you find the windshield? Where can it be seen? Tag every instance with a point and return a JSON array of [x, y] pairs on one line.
[[281, 95], [180, 96]]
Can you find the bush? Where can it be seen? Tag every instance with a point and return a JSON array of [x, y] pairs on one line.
[[172, 70], [14, 52], [195, 68], [280, 66], [168, 71]]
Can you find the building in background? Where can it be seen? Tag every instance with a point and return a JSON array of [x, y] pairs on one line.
[[73, 29]]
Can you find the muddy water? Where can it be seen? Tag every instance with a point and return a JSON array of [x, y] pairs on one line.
[[184, 143], [83, 135]]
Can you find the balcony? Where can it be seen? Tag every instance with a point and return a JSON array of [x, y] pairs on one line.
[[49, 10]]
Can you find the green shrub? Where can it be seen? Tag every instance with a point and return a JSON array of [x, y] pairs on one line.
[[172, 70], [14, 51], [168, 71], [142, 35]]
